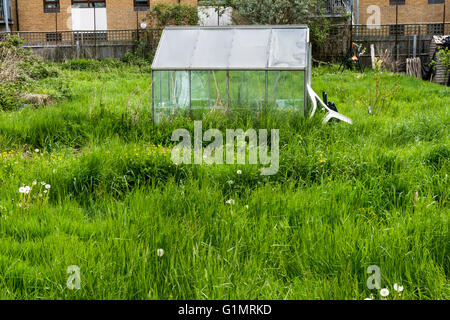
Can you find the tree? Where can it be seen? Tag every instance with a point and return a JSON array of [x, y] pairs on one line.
[[276, 12], [163, 14]]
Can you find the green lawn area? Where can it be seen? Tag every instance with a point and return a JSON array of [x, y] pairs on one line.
[[342, 200]]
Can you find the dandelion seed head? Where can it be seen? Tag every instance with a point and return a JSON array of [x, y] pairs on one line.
[[398, 287], [384, 292], [160, 252]]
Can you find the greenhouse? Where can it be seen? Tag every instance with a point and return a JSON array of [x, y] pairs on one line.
[[207, 68], [198, 69]]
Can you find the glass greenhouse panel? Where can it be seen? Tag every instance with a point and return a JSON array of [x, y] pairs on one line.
[[212, 49], [169, 55], [247, 89], [286, 89], [170, 93], [209, 90], [250, 49], [288, 49]]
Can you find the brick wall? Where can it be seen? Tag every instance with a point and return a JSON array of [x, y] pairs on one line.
[[120, 15], [33, 18], [413, 11]]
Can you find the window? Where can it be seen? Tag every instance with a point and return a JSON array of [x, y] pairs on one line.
[[396, 2], [89, 3], [396, 29], [141, 5], [435, 1], [51, 6]]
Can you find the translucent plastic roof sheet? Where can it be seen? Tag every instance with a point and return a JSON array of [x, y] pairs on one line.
[[233, 48]]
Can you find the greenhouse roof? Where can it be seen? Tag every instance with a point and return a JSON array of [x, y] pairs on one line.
[[233, 48]]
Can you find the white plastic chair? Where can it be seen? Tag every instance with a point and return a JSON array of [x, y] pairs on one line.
[[330, 113]]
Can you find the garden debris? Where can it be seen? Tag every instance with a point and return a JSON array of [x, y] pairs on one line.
[[37, 99]]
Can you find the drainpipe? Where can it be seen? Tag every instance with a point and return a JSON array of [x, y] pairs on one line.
[[5, 15], [17, 17], [357, 12]]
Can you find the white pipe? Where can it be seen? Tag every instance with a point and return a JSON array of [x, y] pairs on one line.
[[5, 15]]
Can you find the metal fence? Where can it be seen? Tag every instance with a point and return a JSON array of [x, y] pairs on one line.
[[70, 38], [402, 40]]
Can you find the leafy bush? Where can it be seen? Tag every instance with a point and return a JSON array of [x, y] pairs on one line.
[[165, 14], [444, 58], [81, 65], [18, 70], [9, 96]]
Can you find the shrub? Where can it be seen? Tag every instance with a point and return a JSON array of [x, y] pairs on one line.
[[164, 14], [9, 96], [81, 65], [444, 58]]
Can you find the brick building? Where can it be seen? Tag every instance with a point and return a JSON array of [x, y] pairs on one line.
[[47, 15], [402, 11]]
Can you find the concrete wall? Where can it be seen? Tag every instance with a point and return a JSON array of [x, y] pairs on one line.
[[65, 52]]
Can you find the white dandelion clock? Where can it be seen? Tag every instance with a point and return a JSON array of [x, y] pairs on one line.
[[384, 292], [34, 182], [239, 172], [160, 252], [47, 186], [398, 287], [231, 201], [246, 206], [25, 190], [36, 150]]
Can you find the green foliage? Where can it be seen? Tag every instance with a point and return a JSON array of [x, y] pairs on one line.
[[9, 96], [19, 70], [343, 199], [163, 14], [82, 65], [444, 58], [285, 12]]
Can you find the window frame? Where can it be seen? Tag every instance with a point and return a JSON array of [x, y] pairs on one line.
[[90, 3], [141, 7], [50, 2], [397, 2], [436, 1]]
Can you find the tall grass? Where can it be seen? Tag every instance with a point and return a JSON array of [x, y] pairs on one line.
[[342, 200]]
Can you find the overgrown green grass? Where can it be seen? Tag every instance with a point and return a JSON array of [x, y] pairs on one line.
[[342, 200]]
